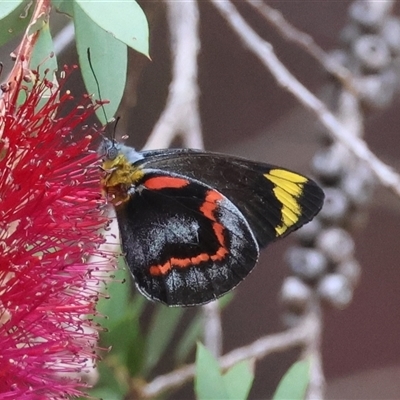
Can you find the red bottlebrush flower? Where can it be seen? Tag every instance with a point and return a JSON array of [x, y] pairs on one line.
[[50, 216]]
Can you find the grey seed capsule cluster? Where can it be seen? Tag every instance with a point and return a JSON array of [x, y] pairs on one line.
[[323, 263], [371, 50]]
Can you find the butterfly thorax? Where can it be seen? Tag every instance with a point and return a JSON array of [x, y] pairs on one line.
[[120, 176]]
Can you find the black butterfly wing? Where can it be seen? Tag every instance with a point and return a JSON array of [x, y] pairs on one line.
[[184, 242], [275, 201]]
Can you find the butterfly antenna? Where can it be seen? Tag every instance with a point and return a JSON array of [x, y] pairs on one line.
[[115, 125], [112, 135]]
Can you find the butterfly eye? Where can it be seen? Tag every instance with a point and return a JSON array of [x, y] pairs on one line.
[[112, 153]]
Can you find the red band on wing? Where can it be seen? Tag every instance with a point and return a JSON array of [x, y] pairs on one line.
[[210, 204], [165, 182], [207, 209]]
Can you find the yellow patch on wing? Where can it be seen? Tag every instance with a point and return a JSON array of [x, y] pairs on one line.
[[288, 188]]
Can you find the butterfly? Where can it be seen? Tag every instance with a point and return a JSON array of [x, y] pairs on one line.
[[192, 222]]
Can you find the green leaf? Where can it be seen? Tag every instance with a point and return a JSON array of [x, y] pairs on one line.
[[7, 7], [189, 338], [235, 384], [136, 306], [136, 355], [124, 20], [238, 380], [109, 60], [163, 325], [122, 321], [194, 331], [225, 300], [114, 306], [209, 383], [127, 345], [108, 387], [43, 56], [14, 17], [64, 7], [106, 393], [294, 383]]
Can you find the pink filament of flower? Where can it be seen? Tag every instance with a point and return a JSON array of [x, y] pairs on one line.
[[50, 216]]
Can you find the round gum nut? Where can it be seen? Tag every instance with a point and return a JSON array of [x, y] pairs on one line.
[[336, 243], [335, 207], [295, 294], [335, 290], [376, 91], [326, 165], [391, 34], [372, 52], [351, 270], [358, 184], [306, 263], [370, 14], [338, 57]]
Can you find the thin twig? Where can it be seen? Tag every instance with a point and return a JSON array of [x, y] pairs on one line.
[[316, 384], [304, 333], [181, 114], [213, 328], [64, 38], [312, 350], [264, 51], [305, 41]]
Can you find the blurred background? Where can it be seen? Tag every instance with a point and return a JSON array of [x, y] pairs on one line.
[[244, 112]]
